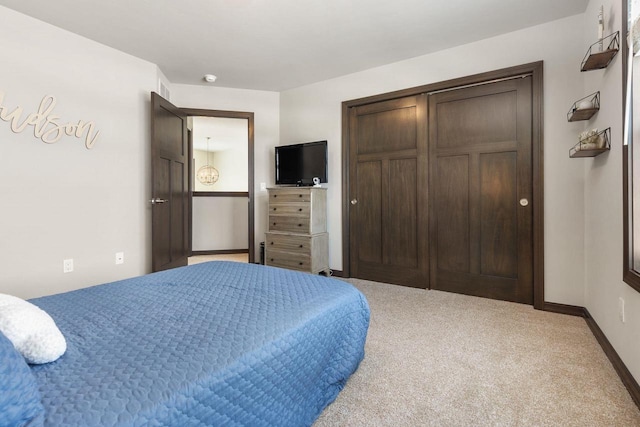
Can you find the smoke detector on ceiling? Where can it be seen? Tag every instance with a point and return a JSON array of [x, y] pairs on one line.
[[209, 78]]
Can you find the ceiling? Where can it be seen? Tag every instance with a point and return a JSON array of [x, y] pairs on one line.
[[282, 44]]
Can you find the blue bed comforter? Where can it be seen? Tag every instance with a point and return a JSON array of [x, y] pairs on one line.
[[213, 344]]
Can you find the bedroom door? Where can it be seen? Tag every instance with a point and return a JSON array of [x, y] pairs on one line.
[[480, 150], [387, 183], [169, 185]]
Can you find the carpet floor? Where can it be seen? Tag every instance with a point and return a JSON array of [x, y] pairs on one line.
[[441, 359]]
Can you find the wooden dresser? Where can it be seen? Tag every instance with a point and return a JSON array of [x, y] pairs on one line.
[[297, 238]]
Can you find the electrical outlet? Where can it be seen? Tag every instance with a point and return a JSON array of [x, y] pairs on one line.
[[621, 309], [119, 257], [67, 265]]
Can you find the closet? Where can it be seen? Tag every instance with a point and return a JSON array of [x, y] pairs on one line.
[[440, 188]]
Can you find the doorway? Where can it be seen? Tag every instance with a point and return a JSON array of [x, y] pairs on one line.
[[221, 178], [481, 198], [172, 178]]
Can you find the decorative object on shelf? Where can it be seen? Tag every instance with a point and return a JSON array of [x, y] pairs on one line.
[[590, 139], [584, 108], [592, 143], [207, 174], [595, 59]]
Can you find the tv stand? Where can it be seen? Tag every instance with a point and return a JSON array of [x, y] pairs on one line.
[[297, 238]]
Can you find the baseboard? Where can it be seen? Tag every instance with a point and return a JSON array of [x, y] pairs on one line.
[[625, 376], [627, 379], [337, 273], [571, 310], [221, 252]]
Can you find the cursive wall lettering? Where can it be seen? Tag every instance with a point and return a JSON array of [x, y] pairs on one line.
[[46, 125]]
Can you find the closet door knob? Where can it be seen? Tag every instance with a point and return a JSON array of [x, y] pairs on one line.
[[354, 201], [524, 202]]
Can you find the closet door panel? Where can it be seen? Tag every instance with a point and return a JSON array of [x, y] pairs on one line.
[[388, 192], [480, 170], [369, 226], [453, 228], [498, 215], [401, 240]]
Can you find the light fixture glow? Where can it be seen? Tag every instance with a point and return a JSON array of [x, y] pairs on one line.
[[207, 174], [210, 78]]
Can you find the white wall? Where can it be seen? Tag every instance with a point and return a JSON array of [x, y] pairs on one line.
[[265, 106], [220, 223], [62, 200], [314, 112], [603, 204], [233, 167]]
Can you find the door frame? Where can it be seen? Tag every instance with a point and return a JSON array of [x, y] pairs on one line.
[[535, 69], [249, 116]]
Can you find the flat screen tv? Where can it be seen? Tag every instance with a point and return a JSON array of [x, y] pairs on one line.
[[298, 164]]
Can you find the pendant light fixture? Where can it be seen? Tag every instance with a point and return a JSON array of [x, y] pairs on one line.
[[207, 174]]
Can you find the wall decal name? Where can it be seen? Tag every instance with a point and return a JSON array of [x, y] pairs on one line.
[[47, 126]]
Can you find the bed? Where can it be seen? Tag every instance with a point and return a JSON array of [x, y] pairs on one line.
[[218, 343]]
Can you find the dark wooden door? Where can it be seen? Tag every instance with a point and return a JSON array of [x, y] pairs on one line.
[[480, 148], [387, 189], [170, 185]]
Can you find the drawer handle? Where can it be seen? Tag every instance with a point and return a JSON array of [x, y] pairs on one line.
[[275, 195], [300, 245], [274, 223], [300, 263], [271, 259], [299, 195], [299, 225], [275, 209], [272, 243], [299, 210]]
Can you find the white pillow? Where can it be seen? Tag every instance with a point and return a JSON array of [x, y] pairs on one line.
[[31, 330]]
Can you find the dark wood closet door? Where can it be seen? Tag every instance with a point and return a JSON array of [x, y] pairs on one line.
[[481, 190], [387, 190], [170, 185]]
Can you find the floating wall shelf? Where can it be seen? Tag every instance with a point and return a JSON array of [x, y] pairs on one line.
[[592, 145], [596, 59], [584, 108]]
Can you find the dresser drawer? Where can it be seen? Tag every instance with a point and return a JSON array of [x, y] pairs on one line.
[[300, 209], [288, 243], [306, 253], [289, 195], [291, 224], [294, 261]]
